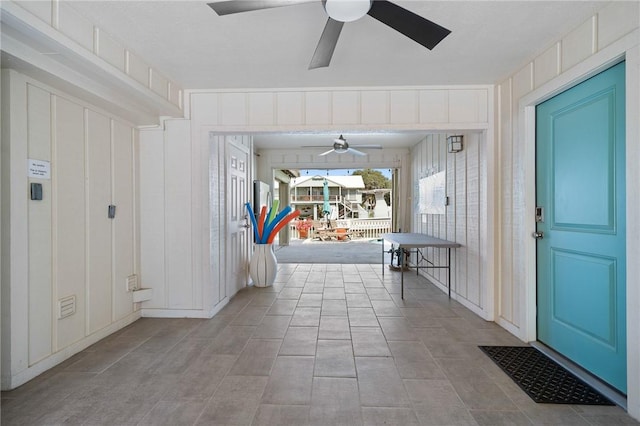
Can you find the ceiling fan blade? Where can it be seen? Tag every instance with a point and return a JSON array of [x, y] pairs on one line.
[[325, 153], [238, 6], [417, 28], [368, 146], [355, 152], [327, 44]]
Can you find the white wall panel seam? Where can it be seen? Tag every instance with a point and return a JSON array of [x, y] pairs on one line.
[[112, 182], [54, 222], [87, 222]]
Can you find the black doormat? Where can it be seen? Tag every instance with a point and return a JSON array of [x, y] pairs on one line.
[[544, 380]]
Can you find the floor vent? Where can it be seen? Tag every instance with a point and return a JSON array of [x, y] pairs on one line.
[[66, 306]]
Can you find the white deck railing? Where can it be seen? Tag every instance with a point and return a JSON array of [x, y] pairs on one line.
[[362, 228]]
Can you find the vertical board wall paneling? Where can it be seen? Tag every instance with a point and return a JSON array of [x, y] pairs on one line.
[[70, 252], [178, 242], [214, 219], [460, 199], [98, 170], [122, 143], [152, 217], [463, 220], [506, 178], [473, 219], [40, 290]]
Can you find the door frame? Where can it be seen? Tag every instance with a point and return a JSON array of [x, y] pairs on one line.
[[626, 48]]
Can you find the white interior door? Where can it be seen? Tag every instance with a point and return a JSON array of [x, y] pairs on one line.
[[237, 164]]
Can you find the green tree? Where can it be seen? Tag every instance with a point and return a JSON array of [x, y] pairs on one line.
[[373, 179]]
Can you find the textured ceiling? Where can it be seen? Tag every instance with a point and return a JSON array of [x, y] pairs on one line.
[[272, 48]]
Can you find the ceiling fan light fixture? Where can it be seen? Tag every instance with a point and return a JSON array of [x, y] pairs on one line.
[[341, 140], [346, 10]]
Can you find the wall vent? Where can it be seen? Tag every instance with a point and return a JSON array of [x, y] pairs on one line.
[[132, 283], [66, 306]]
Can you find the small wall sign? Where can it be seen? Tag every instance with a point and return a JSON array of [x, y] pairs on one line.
[[39, 169]]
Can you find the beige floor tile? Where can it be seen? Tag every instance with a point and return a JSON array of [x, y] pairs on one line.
[[334, 328], [300, 341], [335, 401], [290, 381], [263, 299], [369, 341], [334, 358], [421, 362], [231, 340], [310, 300], [333, 293], [358, 300], [305, 317], [479, 394], [313, 288], [282, 307], [379, 383], [272, 327], [235, 402], [281, 415], [500, 418], [174, 413], [379, 416], [397, 328], [378, 294], [362, 317], [251, 315], [414, 361], [290, 293], [354, 288], [334, 307], [438, 416], [386, 308], [193, 384], [257, 358]]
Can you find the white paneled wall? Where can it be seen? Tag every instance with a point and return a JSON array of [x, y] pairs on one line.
[[609, 36], [67, 247], [182, 170], [412, 108], [608, 26], [464, 220], [64, 18]]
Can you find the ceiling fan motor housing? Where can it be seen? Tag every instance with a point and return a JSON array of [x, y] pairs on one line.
[[346, 10]]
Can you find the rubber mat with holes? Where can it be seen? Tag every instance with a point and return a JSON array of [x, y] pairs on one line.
[[544, 380]]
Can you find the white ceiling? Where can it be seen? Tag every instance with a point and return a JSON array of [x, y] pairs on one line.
[[193, 46], [272, 48]]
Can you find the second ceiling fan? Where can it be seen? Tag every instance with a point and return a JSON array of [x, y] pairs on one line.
[[340, 146], [417, 28]]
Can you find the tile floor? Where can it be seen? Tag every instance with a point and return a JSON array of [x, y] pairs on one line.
[[326, 345]]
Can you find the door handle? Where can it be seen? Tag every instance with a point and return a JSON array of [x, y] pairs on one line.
[[246, 223], [538, 235]]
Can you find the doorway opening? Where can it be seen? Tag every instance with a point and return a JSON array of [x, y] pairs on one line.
[[342, 214]]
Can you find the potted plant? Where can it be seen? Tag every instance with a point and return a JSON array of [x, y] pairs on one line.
[[303, 227]]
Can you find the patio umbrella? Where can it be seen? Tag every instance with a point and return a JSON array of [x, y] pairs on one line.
[[326, 208]]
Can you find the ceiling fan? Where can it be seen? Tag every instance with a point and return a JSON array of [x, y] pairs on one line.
[[417, 28], [340, 146]]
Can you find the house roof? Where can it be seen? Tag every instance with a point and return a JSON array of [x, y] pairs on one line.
[[352, 182]]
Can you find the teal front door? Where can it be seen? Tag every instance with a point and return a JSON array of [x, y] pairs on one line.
[[580, 194]]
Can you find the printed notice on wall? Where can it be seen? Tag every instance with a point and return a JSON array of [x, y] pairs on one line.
[[39, 169]]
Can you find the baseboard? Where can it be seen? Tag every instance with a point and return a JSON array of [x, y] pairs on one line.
[[12, 381], [184, 313]]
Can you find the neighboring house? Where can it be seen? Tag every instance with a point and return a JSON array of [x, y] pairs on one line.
[[96, 125], [345, 195]]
